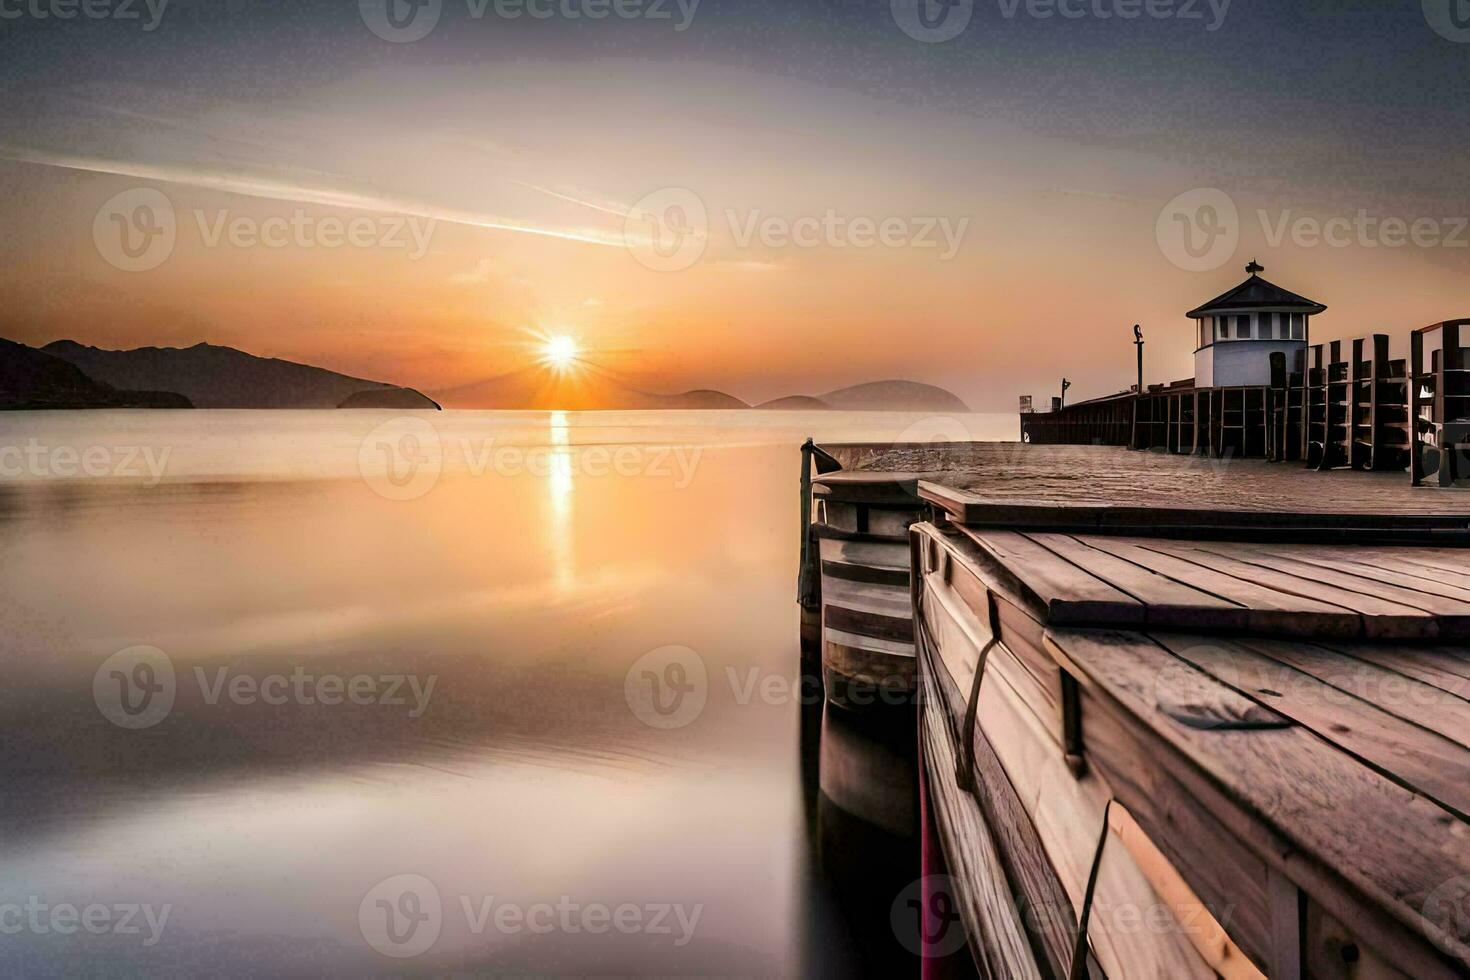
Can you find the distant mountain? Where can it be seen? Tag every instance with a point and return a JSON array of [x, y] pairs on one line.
[[222, 377], [794, 403], [34, 379], [534, 388], [894, 396], [389, 398]]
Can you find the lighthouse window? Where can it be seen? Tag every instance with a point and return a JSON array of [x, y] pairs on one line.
[[1298, 326], [1243, 327], [1268, 326]]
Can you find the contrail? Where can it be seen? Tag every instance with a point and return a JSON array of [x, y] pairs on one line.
[[276, 190]]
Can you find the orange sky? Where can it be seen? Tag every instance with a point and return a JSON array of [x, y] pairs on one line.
[[1059, 258]]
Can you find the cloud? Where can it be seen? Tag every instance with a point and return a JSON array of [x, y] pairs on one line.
[[279, 189]]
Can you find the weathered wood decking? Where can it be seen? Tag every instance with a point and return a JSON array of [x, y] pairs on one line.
[[1227, 699], [1305, 805]]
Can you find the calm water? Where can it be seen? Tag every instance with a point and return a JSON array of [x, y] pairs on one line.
[[394, 695]]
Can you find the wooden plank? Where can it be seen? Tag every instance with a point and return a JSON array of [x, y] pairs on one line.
[[1414, 757], [1362, 582], [1371, 852], [884, 600], [1066, 593], [955, 625], [868, 624], [873, 554], [1045, 912], [1195, 921], [1424, 569], [1334, 952], [1285, 901], [1447, 668], [1398, 694], [998, 940], [867, 644], [1166, 601], [1381, 618], [866, 573], [1270, 610], [1100, 517], [1068, 814]]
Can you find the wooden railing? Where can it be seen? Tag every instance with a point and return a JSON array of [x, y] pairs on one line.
[[1343, 404]]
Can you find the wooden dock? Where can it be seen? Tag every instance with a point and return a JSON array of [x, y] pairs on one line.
[[1184, 723], [1345, 404]]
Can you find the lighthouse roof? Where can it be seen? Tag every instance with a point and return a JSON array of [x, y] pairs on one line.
[[1257, 294]]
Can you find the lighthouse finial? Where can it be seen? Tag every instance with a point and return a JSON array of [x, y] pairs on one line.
[[1255, 268]]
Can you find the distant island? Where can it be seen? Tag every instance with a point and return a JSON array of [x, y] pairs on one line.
[[534, 389], [67, 375], [33, 379]]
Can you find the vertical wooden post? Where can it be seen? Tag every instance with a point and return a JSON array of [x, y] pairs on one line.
[[1276, 408], [1450, 363], [1416, 372], [808, 583]]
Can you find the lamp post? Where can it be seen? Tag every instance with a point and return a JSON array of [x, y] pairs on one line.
[[1138, 395], [1065, 385]]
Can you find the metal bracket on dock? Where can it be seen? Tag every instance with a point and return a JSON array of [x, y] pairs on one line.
[[965, 768], [1072, 726]]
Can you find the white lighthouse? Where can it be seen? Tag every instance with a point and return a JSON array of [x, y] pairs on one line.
[[1238, 332]]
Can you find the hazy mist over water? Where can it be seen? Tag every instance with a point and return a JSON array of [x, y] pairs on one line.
[[399, 645]]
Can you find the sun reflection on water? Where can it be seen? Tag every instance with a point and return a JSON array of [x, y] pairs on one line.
[[559, 492]]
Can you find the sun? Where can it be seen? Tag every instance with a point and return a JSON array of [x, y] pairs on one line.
[[559, 352]]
